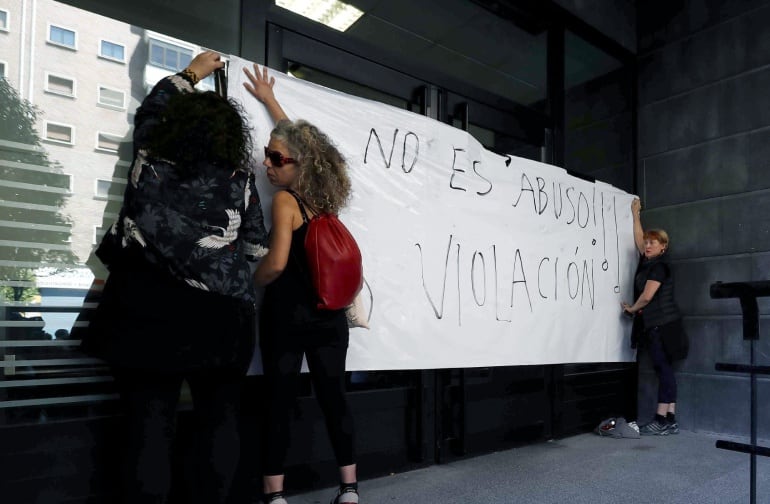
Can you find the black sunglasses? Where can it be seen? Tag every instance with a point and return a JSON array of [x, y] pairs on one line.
[[277, 159]]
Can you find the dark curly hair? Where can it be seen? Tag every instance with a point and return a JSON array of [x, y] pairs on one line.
[[202, 127]]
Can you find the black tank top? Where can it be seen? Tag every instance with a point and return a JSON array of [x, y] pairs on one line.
[[290, 301]]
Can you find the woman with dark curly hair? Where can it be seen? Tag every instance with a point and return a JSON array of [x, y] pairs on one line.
[[179, 302], [201, 128], [304, 162]]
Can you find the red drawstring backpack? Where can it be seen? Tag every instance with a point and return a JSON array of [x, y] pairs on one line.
[[333, 258]]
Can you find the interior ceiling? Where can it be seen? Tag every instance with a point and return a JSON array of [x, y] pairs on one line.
[[479, 46]]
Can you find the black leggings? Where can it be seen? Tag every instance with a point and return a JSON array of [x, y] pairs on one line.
[[149, 403], [326, 349], [663, 368]]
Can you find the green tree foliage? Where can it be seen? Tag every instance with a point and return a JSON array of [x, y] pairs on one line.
[[24, 208]]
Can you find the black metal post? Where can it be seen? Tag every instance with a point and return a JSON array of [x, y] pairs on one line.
[[753, 405], [747, 292]]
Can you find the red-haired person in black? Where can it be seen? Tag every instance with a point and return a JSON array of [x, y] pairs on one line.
[[663, 335]]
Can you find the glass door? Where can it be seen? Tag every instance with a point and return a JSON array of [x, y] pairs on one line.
[[513, 130], [480, 409]]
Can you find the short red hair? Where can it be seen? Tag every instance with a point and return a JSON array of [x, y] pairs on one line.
[[657, 234]]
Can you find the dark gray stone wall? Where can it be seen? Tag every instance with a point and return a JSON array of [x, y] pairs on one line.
[[704, 176]]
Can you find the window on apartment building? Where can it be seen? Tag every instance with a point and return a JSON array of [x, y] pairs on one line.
[[98, 233], [57, 132], [2, 70], [112, 51], [3, 20], [107, 142], [169, 56], [62, 36], [109, 189], [102, 188], [70, 182], [112, 97], [58, 84]]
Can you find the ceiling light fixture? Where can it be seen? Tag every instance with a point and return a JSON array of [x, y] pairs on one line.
[[332, 13]]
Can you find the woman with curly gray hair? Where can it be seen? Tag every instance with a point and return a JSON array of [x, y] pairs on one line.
[[304, 162]]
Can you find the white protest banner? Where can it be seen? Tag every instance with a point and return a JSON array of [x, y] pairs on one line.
[[472, 258]]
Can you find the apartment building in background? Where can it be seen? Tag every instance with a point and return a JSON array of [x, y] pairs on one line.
[[86, 74], [61, 187]]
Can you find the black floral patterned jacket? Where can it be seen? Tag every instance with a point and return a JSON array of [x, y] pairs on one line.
[[202, 229]]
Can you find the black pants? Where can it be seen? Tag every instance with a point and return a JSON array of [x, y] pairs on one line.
[[149, 403], [326, 349], [663, 367]]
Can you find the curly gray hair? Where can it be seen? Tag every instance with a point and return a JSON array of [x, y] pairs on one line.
[[323, 181]]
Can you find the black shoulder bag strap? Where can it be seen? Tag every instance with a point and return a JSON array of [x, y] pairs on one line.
[[302, 210], [305, 219]]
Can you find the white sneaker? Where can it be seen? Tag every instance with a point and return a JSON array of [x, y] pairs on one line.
[[349, 496]]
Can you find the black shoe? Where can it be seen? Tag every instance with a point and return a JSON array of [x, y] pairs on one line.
[[673, 427], [656, 428]]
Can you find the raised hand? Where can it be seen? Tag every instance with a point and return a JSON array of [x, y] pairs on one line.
[[260, 86], [205, 63]]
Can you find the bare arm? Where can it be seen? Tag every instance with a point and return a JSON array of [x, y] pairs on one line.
[[261, 88], [272, 265], [636, 209], [650, 288]]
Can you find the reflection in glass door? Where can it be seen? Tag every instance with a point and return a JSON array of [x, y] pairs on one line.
[[598, 113], [516, 131]]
